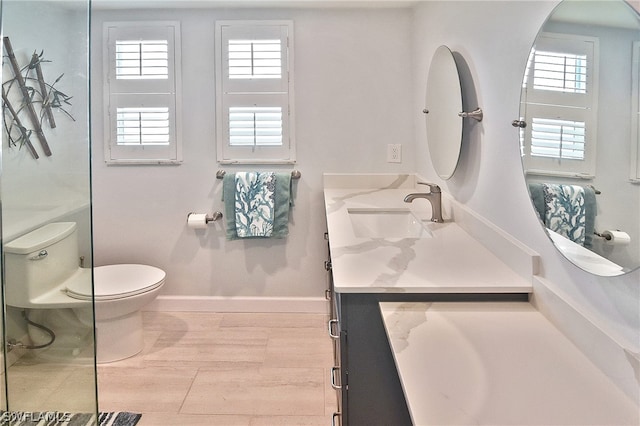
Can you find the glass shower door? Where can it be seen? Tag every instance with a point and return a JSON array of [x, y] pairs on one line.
[[49, 350]]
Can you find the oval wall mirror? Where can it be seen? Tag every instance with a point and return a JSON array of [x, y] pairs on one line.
[[443, 106], [579, 138]]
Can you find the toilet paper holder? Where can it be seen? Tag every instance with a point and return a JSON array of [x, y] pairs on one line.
[[208, 218], [614, 237]]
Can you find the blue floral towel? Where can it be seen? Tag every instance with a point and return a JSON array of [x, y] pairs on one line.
[[254, 203], [565, 211]]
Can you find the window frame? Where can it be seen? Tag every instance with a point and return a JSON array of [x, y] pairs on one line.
[[254, 92], [142, 92], [558, 105]]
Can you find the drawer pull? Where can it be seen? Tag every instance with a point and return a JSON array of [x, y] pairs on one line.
[[327, 294], [334, 417], [330, 326], [333, 378]]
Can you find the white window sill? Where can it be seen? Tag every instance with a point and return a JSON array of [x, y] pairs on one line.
[[249, 161], [143, 162]]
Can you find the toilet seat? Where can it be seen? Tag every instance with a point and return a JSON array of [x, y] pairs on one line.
[[117, 282]]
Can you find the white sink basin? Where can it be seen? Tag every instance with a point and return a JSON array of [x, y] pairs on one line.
[[386, 223]]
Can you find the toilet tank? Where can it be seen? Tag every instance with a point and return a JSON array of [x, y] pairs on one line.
[[38, 262]]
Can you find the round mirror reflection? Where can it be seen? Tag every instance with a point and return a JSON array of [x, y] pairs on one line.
[[581, 143], [443, 104]]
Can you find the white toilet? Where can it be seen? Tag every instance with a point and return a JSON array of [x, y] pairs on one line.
[[42, 275]]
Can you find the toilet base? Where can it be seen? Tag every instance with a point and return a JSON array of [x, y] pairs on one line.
[[73, 336], [119, 338]]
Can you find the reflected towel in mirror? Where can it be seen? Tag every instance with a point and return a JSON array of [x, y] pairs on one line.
[[565, 211], [537, 192]]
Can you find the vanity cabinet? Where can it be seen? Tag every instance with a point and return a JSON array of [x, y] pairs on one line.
[[448, 265], [333, 328], [370, 390]]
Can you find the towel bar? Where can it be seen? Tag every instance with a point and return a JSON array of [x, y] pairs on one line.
[[596, 191], [295, 174]]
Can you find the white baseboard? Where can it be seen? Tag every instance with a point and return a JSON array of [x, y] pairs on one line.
[[620, 363], [312, 305]]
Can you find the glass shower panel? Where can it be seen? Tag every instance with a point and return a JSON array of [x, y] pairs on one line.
[[49, 350]]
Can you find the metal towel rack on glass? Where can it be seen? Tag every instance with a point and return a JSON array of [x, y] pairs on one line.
[[295, 174]]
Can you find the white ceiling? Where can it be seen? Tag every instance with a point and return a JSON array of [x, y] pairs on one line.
[[603, 13]]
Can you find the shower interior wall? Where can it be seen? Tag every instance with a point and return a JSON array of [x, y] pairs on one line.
[[51, 188], [54, 188]]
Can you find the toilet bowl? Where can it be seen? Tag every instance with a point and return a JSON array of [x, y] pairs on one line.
[[43, 277], [119, 294]]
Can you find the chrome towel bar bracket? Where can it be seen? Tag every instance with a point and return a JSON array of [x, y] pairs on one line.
[[476, 114]]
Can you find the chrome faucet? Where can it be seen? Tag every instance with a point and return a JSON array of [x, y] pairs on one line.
[[435, 198]]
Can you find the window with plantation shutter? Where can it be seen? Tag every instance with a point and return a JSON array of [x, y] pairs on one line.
[[254, 92], [559, 93], [142, 66], [557, 138]]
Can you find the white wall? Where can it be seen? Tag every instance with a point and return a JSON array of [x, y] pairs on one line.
[[352, 98], [494, 38]]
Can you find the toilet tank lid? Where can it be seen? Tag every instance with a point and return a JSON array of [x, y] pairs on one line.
[[40, 238]]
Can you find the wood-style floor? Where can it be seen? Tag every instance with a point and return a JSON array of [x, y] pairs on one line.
[[225, 369]]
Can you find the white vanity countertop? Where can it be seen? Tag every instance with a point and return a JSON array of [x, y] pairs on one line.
[[451, 261], [497, 363]]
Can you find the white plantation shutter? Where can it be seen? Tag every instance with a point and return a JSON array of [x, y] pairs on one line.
[[142, 65], [142, 59], [254, 91], [255, 59], [560, 87], [249, 126], [143, 126], [558, 138], [560, 72]]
